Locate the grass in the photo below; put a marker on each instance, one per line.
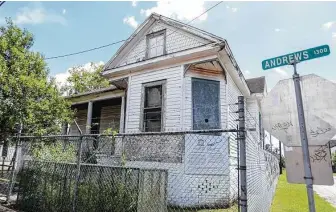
(334, 174)
(293, 198)
(233, 208)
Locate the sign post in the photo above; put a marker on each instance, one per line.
(304, 140)
(293, 59)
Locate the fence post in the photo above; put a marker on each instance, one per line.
(242, 155)
(14, 160)
(79, 158)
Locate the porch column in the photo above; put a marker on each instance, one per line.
(89, 118)
(122, 115)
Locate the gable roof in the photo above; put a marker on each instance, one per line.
(146, 25)
(256, 85)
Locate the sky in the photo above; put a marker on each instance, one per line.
(254, 30)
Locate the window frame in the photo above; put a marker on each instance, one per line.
(163, 103)
(153, 35)
(219, 100)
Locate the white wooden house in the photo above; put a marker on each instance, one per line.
(169, 76)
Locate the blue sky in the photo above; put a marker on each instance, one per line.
(255, 30)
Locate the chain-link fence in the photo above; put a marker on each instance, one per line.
(160, 171)
(262, 167)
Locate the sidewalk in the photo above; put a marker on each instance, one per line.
(327, 192)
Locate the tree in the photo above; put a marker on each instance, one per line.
(333, 158)
(82, 80)
(27, 95)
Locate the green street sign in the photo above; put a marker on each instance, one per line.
(299, 56)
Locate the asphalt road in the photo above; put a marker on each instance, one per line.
(327, 192)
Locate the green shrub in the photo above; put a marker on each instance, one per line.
(55, 152)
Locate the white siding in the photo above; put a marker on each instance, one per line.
(176, 40)
(252, 118)
(188, 116)
(232, 98)
(172, 115)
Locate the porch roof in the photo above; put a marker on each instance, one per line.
(102, 90)
(96, 95)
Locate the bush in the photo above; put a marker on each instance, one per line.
(333, 158)
(55, 152)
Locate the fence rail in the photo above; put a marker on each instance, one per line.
(159, 171)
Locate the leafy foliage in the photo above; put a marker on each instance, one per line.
(48, 186)
(333, 158)
(55, 152)
(27, 95)
(82, 80)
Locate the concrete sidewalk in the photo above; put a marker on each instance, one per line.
(327, 192)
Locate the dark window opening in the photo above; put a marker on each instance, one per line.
(156, 44)
(152, 112)
(205, 102)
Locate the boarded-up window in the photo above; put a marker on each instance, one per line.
(153, 105)
(205, 100)
(156, 44)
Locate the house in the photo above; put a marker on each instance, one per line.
(169, 76)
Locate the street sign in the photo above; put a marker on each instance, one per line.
(320, 161)
(298, 127)
(299, 56)
(279, 111)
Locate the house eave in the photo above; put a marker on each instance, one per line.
(237, 77)
(170, 59)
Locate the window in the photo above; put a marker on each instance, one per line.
(153, 99)
(205, 102)
(156, 44)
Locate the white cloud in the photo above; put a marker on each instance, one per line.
(64, 11)
(61, 78)
(328, 25)
(233, 9)
(130, 20)
(28, 15)
(247, 73)
(182, 10)
(280, 30)
(333, 35)
(134, 3)
(281, 72)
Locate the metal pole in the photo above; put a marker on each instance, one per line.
(14, 159)
(79, 158)
(242, 154)
(304, 140)
(237, 134)
(271, 142)
(280, 161)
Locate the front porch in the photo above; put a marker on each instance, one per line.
(98, 111)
